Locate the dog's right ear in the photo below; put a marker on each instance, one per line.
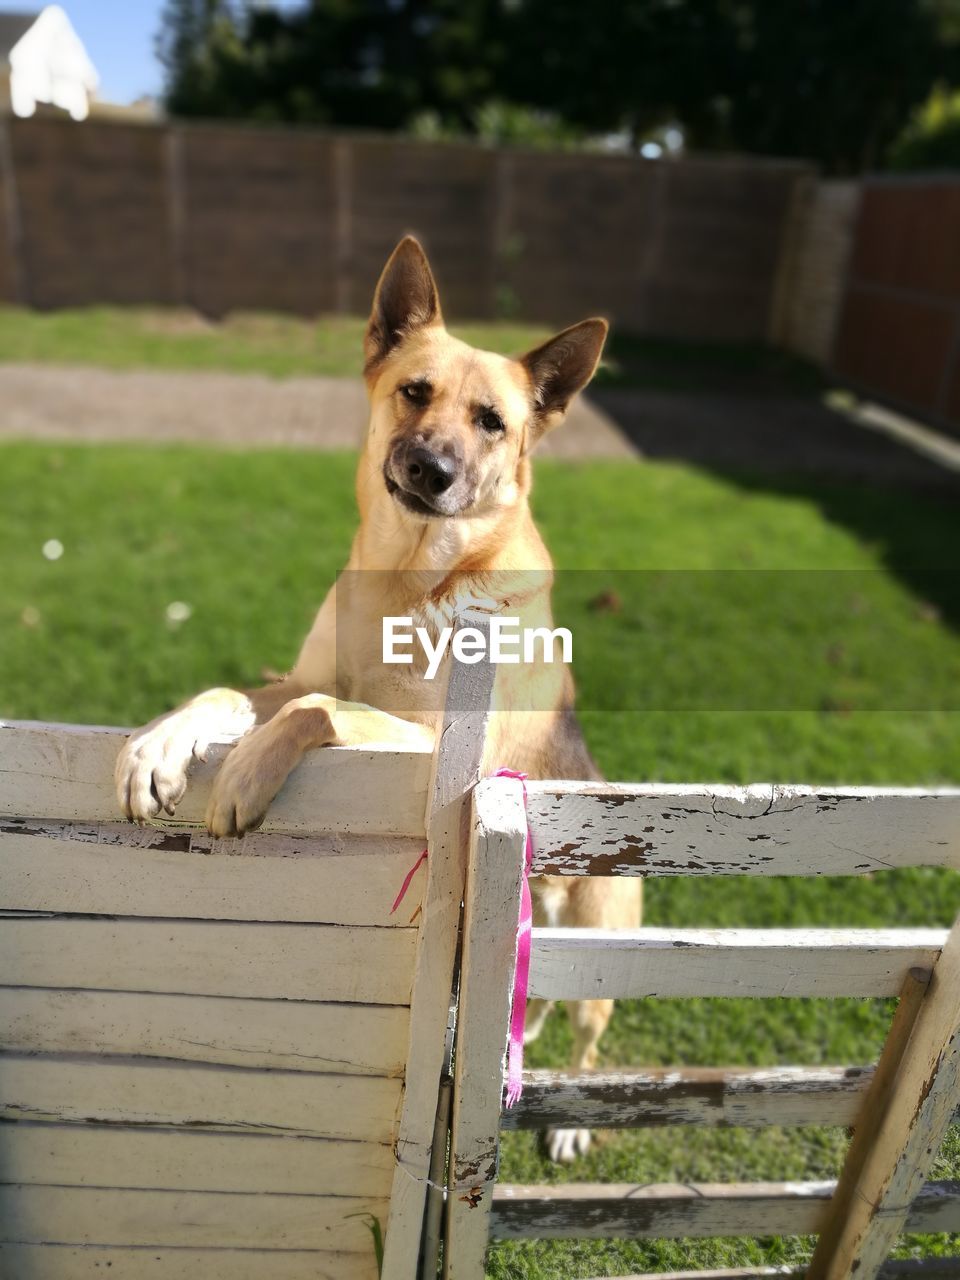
(406, 299)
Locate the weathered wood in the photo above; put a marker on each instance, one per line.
(192, 957)
(120, 869)
(111, 1091)
(576, 964)
(869, 1115)
(902, 1141)
(92, 1262)
(297, 1035)
(456, 769)
(607, 829)
(896, 1269)
(492, 905)
(592, 1210)
(749, 1097)
(104, 1216)
(66, 772)
(164, 1159)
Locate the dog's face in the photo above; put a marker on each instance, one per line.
(451, 426)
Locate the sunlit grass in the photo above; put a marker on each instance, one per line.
(250, 542)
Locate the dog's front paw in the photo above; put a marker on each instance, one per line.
(151, 770)
(244, 788)
(564, 1145)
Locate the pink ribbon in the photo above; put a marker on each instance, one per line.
(406, 881)
(521, 979)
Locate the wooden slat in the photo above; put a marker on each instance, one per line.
(594, 1210)
(88, 1262)
(120, 869)
(77, 1155)
(492, 905)
(872, 1108)
(272, 961)
(89, 1215)
(605, 829)
(750, 1097)
(577, 964)
(66, 771)
(84, 1090)
(457, 767)
(905, 1132)
(297, 1035)
(895, 1269)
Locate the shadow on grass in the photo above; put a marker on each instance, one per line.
(901, 504)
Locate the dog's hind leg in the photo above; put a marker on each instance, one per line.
(599, 904)
(537, 1013)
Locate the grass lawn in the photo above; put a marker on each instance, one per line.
(283, 346)
(726, 628)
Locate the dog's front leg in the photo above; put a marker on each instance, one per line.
(151, 770)
(258, 766)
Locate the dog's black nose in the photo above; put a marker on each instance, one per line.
(429, 474)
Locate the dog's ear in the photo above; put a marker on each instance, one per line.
(561, 368)
(406, 299)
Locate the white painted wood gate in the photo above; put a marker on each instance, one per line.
(900, 1108)
(224, 1059)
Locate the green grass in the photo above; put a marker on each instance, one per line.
(697, 650)
(283, 346)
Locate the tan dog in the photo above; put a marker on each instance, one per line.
(442, 486)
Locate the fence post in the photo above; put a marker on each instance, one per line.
(457, 762)
(177, 214)
(13, 216)
(343, 223)
(491, 908)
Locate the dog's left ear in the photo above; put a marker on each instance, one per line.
(562, 367)
(406, 298)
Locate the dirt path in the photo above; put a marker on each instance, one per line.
(57, 402)
(763, 434)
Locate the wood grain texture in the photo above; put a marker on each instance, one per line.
(111, 1091)
(595, 1210)
(66, 772)
(111, 868)
(574, 964)
(90, 1262)
(489, 940)
(750, 1097)
(167, 1159)
(266, 961)
(457, 764)
(102, 1216)
(903, 1139)
(292, 1034)
(608, 829)
(896, 1269)
(870, 1113)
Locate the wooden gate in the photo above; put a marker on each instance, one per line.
(900, 1108)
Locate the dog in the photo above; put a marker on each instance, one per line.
(442, 487)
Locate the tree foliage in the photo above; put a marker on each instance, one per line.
(833, 82)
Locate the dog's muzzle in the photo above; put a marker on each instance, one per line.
(424, 480)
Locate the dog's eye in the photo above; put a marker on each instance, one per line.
(416, 392)
(491, 421)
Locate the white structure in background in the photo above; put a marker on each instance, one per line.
(42, 60)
